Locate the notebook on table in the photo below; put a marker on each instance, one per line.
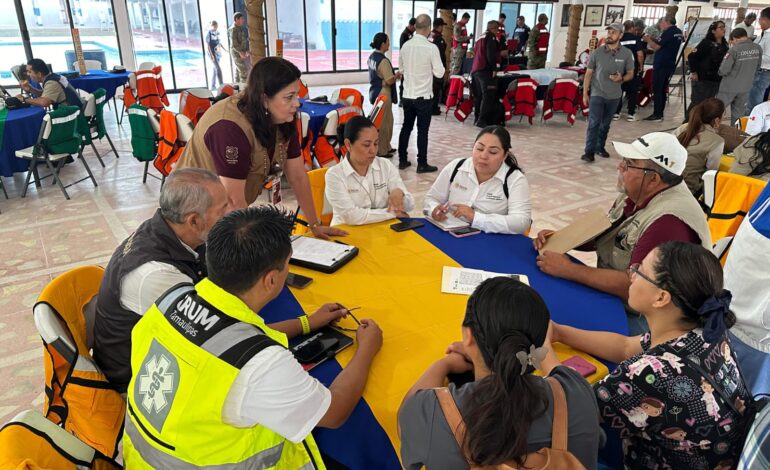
(450, 223)
(326, 256)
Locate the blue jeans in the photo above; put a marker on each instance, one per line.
(419, 110)
(757, 93)
(600, 111)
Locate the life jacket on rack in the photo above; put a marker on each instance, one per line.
(524, 99)
(146, 92)
(542, 40)
(328, 149)
(562, 95)
(194, 102)
(159, 84)
(170, 146)
(456, 98)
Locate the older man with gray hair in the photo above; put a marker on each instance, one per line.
(166, 250)
(747, 24)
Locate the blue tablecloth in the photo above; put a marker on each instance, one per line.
(21, 130)
(96, 79)
(361, 443)
(317, 112)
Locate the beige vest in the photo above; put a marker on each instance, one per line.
(697, 153)
(614, 248)
(197, 155)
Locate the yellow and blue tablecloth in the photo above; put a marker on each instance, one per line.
(396, 280)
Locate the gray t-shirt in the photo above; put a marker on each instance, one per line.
(427, 440)
(604, 62)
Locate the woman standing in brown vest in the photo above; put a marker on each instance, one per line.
(250, 139)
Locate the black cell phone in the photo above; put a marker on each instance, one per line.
(408, 225)
(464, 232)
(315, 350)
(298, 281)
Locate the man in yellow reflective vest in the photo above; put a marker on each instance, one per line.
(213, 385)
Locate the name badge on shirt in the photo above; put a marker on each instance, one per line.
(494, 197)
(273, 186)
(459, 186)
(378, 186)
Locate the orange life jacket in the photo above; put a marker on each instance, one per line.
(147, 93)
(542, 40)
(350, 97)
(159, 84)
(328, 150)
(304, 91)
(169, 146)
(305, 139)
(193, 106)
(378, 111)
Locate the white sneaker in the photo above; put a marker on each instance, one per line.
(616, 117)
(631, 118)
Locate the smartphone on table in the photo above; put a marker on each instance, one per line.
(464, 232)
(584, 368)
(298, 281)
(408, 225)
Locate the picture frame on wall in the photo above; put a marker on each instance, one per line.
(614, 14)
(594, 15)
(565, 15)
(692, 12)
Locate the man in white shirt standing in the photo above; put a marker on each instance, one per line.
(748, 25)
(762, 78)
(419, 61)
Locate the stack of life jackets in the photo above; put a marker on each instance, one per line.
(562, 95)
(521, 99)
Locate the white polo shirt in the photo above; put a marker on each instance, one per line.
(763, 39)
(494, 213)
(419, 61)
(358, 200)
(759, 119)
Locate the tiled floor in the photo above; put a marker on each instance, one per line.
(44, 235)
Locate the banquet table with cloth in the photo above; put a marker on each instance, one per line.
(22, 127)
(96, 79)
(317, 112)
(396, 280)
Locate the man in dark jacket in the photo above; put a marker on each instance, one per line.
(485, 60)
(437, 38)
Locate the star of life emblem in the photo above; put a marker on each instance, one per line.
(156, 384)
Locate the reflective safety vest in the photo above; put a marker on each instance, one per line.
(169, 146)
(542, 40)
(159, 84)
(463, 33)
(186, 353)
(147, 93)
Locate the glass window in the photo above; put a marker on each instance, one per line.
(402, 12)
(371, 24)
(427, 8)
(186, 43)
(11, 49)
(347, 39)
(491, 13)
(96, 26)
(148, 28)
(49, 32)
(215, 11)
(319, 31)
(291, 28)
(511, 10)
(650, 14)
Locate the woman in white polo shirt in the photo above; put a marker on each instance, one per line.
(489, 190)
(364, 188)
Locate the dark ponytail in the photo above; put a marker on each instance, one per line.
(352, 129)
(505, 317)
(378, 40)
(701, 114)
(504, 137)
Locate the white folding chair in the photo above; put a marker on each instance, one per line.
(90, 64)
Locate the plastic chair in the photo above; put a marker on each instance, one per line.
(378, 111)
(328, 149)
(146, 66)
(93, 122)
(90, 65)
(194, 102)
(727, 198)
(317, 179)
(58, 139)
(29, 440)
(348, 96)
(305, 139)
(144, 138)
(78, 395)
(17, 72)
(741, 123)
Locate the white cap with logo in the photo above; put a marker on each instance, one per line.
(662, 148)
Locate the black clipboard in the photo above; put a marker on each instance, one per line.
(350, 253)
(323, 334)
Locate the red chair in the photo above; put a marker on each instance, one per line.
(349, 97)
(378, 111)
(562, 95)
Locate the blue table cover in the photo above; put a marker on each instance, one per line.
(361, 443)
(21, 130)
(100, 79)
(317, 112)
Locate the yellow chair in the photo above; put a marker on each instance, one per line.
(726, 162)
(740, 123)
(728, 197)
(317, 179)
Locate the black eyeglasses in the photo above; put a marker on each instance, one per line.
(350, 314)
(625, 166)
(634, 270)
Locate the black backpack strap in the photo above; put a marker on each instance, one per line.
(457, 168)
(511, 169)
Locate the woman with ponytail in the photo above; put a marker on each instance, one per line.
(678, 397)
(507, 410)
(382, 81)
(752, 157)
(488, 190)
(704, 145)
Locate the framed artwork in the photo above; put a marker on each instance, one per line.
(692, 12)
(565, 15)
(614, 14)
(594, 15)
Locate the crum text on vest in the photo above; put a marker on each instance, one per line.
(196, 313)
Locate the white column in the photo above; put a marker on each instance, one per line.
(271, 13)
(123, 28)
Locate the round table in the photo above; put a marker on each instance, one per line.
(96, 79)
(22, 127)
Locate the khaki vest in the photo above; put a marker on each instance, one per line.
(197, 155)
(614, 248)
(697, 153)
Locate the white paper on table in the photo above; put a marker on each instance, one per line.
(451, 223)
(322, 252)
(464, 280)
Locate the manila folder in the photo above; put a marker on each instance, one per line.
(582, 230)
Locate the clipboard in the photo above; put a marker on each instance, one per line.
(584, 229)
(323, 334)
(321, 255)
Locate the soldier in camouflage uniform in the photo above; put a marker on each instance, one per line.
(460, 39)
(239, 48)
